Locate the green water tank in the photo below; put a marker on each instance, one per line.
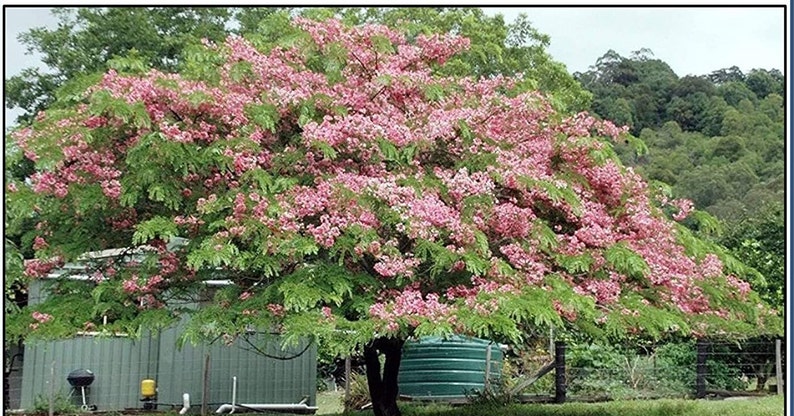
(447, 368)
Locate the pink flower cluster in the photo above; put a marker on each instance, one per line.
(388, 266)
(41, 317)
(276, 310)
(604, 291)
(685, 207)
(461, 184)
(40, 268)
(410, 306)
(512, 221)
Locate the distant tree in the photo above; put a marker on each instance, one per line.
(689, 85)
(763, 82)
(726, 75)
(644, 82)
(87, 38)
(734, 92)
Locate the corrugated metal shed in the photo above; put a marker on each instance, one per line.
(260, 379)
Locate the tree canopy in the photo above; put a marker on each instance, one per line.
(87, 40)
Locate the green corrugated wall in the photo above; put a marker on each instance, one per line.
(119, 364)
(259, 379)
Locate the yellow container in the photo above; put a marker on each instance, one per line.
(148, 388)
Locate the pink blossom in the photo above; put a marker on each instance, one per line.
(131, 285)
(685, 207)
(40, 268)
(277, 310)
(39, 243)
(393, 266)
(41, 317)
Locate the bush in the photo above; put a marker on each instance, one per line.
(60, 404)
(677, 367)
(359, 392)
(594, 369)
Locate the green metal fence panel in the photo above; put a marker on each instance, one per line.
(260, 379)
(118, 365)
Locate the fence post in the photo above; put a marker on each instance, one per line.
(700, 379)
(559, 375)
(779, 367)
(205, 388)
(348, 366)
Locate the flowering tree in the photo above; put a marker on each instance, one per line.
(353, 195)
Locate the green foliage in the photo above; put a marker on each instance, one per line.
(667, 370)
(263, 115)
(102, 38)
(676, 366)
(157, 227)
(760, 242)
(314, 285)
(626, 261)
(102, 103)
(61, 404)
(14, 280)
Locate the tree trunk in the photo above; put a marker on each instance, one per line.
(383, 385)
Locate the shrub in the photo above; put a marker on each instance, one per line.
(359, 393)
(61, 404)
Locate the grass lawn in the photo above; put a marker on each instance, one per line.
(330, 402)
(765, 406)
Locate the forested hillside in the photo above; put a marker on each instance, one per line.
(717, 139)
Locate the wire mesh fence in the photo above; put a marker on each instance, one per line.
(685, 369)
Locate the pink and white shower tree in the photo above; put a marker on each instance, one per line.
(353, 196)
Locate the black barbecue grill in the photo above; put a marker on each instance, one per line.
(82, 378)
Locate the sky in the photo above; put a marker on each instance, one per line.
(692, 40)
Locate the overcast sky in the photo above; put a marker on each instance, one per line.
(692, 40)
